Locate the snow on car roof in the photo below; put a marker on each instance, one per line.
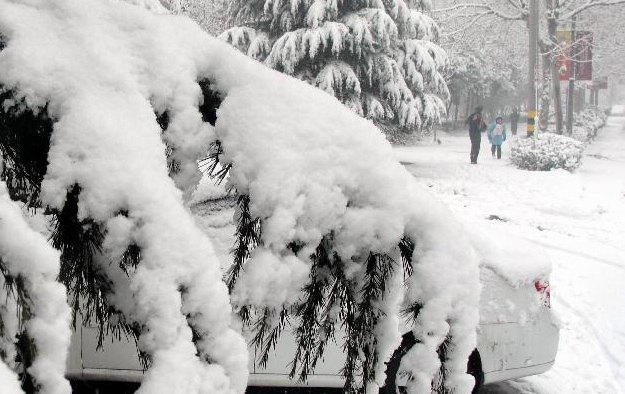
(517, 260)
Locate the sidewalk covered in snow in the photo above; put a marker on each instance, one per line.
(578, 218)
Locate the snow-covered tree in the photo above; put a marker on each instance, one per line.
(332, 231)
(554, 14)
(378, 57)
(209, 14)
(488, 57)
(489, 67)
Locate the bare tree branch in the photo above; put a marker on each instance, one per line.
(589, 4)
(480, 8)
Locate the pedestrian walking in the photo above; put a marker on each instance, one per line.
(514, 120)
(476, 127)
(497, 135)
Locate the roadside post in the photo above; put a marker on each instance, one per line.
(533, 54)
(571, 88)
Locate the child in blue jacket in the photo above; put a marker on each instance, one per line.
(497, 135)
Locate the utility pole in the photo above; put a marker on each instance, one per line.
(572, 76)
(533, 54)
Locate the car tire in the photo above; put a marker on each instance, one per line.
(474, 367)
(392, 366)
(102, 387)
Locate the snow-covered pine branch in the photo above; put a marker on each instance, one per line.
(331, 218)
(338, 79)
(29, 262)
(328, 222)
(106, 177)
(369, 37)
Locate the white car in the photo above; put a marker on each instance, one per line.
(618, 110)
(517, 335)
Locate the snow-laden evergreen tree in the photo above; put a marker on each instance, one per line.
(378, 57)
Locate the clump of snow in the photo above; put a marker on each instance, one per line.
(285, 276)
(9, 325)
(9, 382)
(9, 328)
(546, 151)
(49, 326)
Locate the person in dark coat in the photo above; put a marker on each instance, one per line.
(476, 126)
(514, 120)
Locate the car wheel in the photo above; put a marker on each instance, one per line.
(102, 387)
(396, 383)
(474, 368)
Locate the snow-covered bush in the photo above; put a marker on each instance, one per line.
(379, 58)
(105, 110)
(587, 123)
(547, 151)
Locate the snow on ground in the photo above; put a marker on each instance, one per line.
(618, 110)
(579, 220)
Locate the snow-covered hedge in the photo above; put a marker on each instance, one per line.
(547, 151)
(587, 123)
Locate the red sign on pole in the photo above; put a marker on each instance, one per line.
(575, 55)
(563, 63)
(582, 55)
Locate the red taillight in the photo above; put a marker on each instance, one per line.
(542, 287)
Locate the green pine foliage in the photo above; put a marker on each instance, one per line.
(328, 302)
(15, 289)
(24, 145)
(378, 57)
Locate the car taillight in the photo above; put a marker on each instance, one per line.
(542, 287)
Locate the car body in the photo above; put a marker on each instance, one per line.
(618, 110)
(516, 337)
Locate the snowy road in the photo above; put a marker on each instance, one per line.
(578, 218)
